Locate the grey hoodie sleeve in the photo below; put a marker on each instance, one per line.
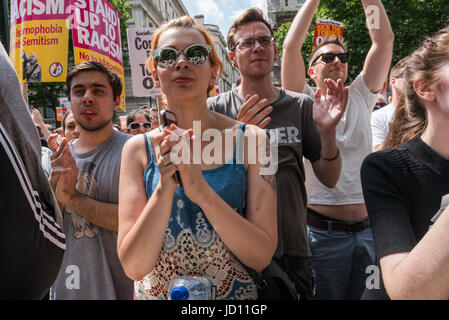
(33, 242)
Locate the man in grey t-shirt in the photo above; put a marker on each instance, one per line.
(87, 186)
(299, 129)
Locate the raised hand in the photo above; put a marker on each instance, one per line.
(162, 149)
(249, 112)
(64, 173)
(37, 117)
(328, 109)
(182, 156)
(52, 142)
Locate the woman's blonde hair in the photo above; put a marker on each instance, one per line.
(425, 63)
(188, 23)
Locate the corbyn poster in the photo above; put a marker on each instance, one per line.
(96, 36)
(39, 39)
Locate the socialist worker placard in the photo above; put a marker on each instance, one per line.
(325, 28)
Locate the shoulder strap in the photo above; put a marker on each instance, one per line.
(149, 148)
(239, 145)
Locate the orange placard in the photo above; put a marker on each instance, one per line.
(325, 28)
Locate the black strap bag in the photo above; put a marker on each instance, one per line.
(274, 283)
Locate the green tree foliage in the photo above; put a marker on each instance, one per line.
(122, 8)
(411, 21)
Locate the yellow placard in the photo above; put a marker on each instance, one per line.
(39, 50)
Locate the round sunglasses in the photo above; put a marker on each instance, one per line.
(166, 57)
(137, 125)
(328, 57)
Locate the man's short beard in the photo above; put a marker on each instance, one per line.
(258, 75)
(97, 127)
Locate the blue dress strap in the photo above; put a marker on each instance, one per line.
(239, 145)
(149, 148)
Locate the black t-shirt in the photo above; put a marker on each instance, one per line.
(403, 190)
(296, 136)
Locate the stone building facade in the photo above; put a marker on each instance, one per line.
(230, 75)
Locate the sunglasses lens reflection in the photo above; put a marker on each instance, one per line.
(134, 126)
(329, 57)
(168, 56)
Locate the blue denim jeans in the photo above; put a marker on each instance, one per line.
(339, 262)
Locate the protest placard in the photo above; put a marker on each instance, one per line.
(139, 48)
(96, 36)
(62, 109)
(325, 28)
(39, 40)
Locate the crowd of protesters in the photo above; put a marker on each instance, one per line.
(115, 215)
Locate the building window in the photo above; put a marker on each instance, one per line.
(286, 3)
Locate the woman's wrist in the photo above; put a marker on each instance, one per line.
(166, 187)
(204, 196)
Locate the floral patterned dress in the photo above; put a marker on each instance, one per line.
(191, 246)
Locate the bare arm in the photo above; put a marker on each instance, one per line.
(102, 214)
(328, 171)
(422, 273)
(378, 59)
(293, 70)
(142, 222)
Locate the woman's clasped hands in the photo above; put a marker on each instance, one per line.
(174, 151)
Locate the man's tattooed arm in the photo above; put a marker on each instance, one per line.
(264, 154)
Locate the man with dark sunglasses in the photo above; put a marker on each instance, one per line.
(292, 124)
(329, 57)
(339, 235)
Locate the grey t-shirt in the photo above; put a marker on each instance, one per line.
(292, 124)
(91, 268)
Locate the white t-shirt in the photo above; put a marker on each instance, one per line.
(354, 142)
(380, 123)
